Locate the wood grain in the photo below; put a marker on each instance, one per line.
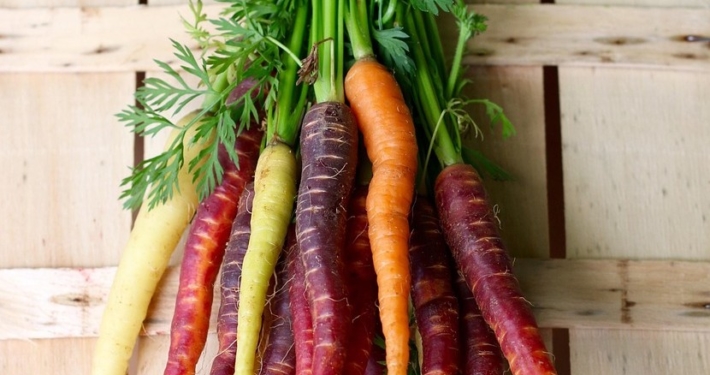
(609, 294)
(99, 39)
(635, 180)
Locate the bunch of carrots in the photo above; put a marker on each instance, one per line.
(325, 190)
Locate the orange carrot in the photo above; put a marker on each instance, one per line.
(388, 133)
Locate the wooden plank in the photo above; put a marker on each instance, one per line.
(63, 127)
(86, 39)
(639, 352)
(635, 177)
(608, 36)
(635, 295)
(90, 38)
(635, 163)
(64, 156)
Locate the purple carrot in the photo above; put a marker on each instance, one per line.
(328, 146)
(362, 285)
(432, 292)
(480, 352)
(471, 231)
(223, 363)
(301, 320)
(203, 254)
(279, 356)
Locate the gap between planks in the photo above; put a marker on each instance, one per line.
(565, 293)
(107, 39)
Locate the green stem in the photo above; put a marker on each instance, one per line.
(358, 29)
(290, 100)
(454, 76)
(430, 103)
(328, 34)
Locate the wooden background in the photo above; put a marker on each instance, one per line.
(608, 218)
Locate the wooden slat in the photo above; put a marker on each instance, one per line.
(637, 295)
(579, 35)
(99, 39)
(636, 177)
(64, 156)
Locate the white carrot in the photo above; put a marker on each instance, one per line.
(155, 235)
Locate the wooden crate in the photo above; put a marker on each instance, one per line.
(608, 218)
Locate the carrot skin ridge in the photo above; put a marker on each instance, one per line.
(389, 136)
(328, 146)
(435, 303)
(230, 280)
(274, 194)
(480, 352)
(471, 231)
(301, 319)
(362, 285)
(204, 250)
(279, 357)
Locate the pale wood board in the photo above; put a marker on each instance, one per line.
(99, 39)
(623, 352)
(565, 293)
(58, 135)
(636, 177)
(635, 145)
(582, 35)
(64, 159)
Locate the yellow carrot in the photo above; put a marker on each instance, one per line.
(152, 241)
(274, 195)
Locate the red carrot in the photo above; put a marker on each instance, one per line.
(362, 285)
(279, 356)
(471, 230)
(223, 363)
(301, 320)
(433, 298)
(329, 158)
(467, 220)
(480, 352)
(203, 254)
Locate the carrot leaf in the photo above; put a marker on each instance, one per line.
(246, 45)
(432, 6)
(394, 50)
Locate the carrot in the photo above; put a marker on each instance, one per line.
(328, 146)
(274, 197)
(274, 193)
(433, 298)
(388, 134)
(223, 363)
(362, 285)
(479, 348)
(302, 321)
(204, 249)
(329, 157)
(279, 357)
(472, 234)
(153, 239)
(467, 220)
